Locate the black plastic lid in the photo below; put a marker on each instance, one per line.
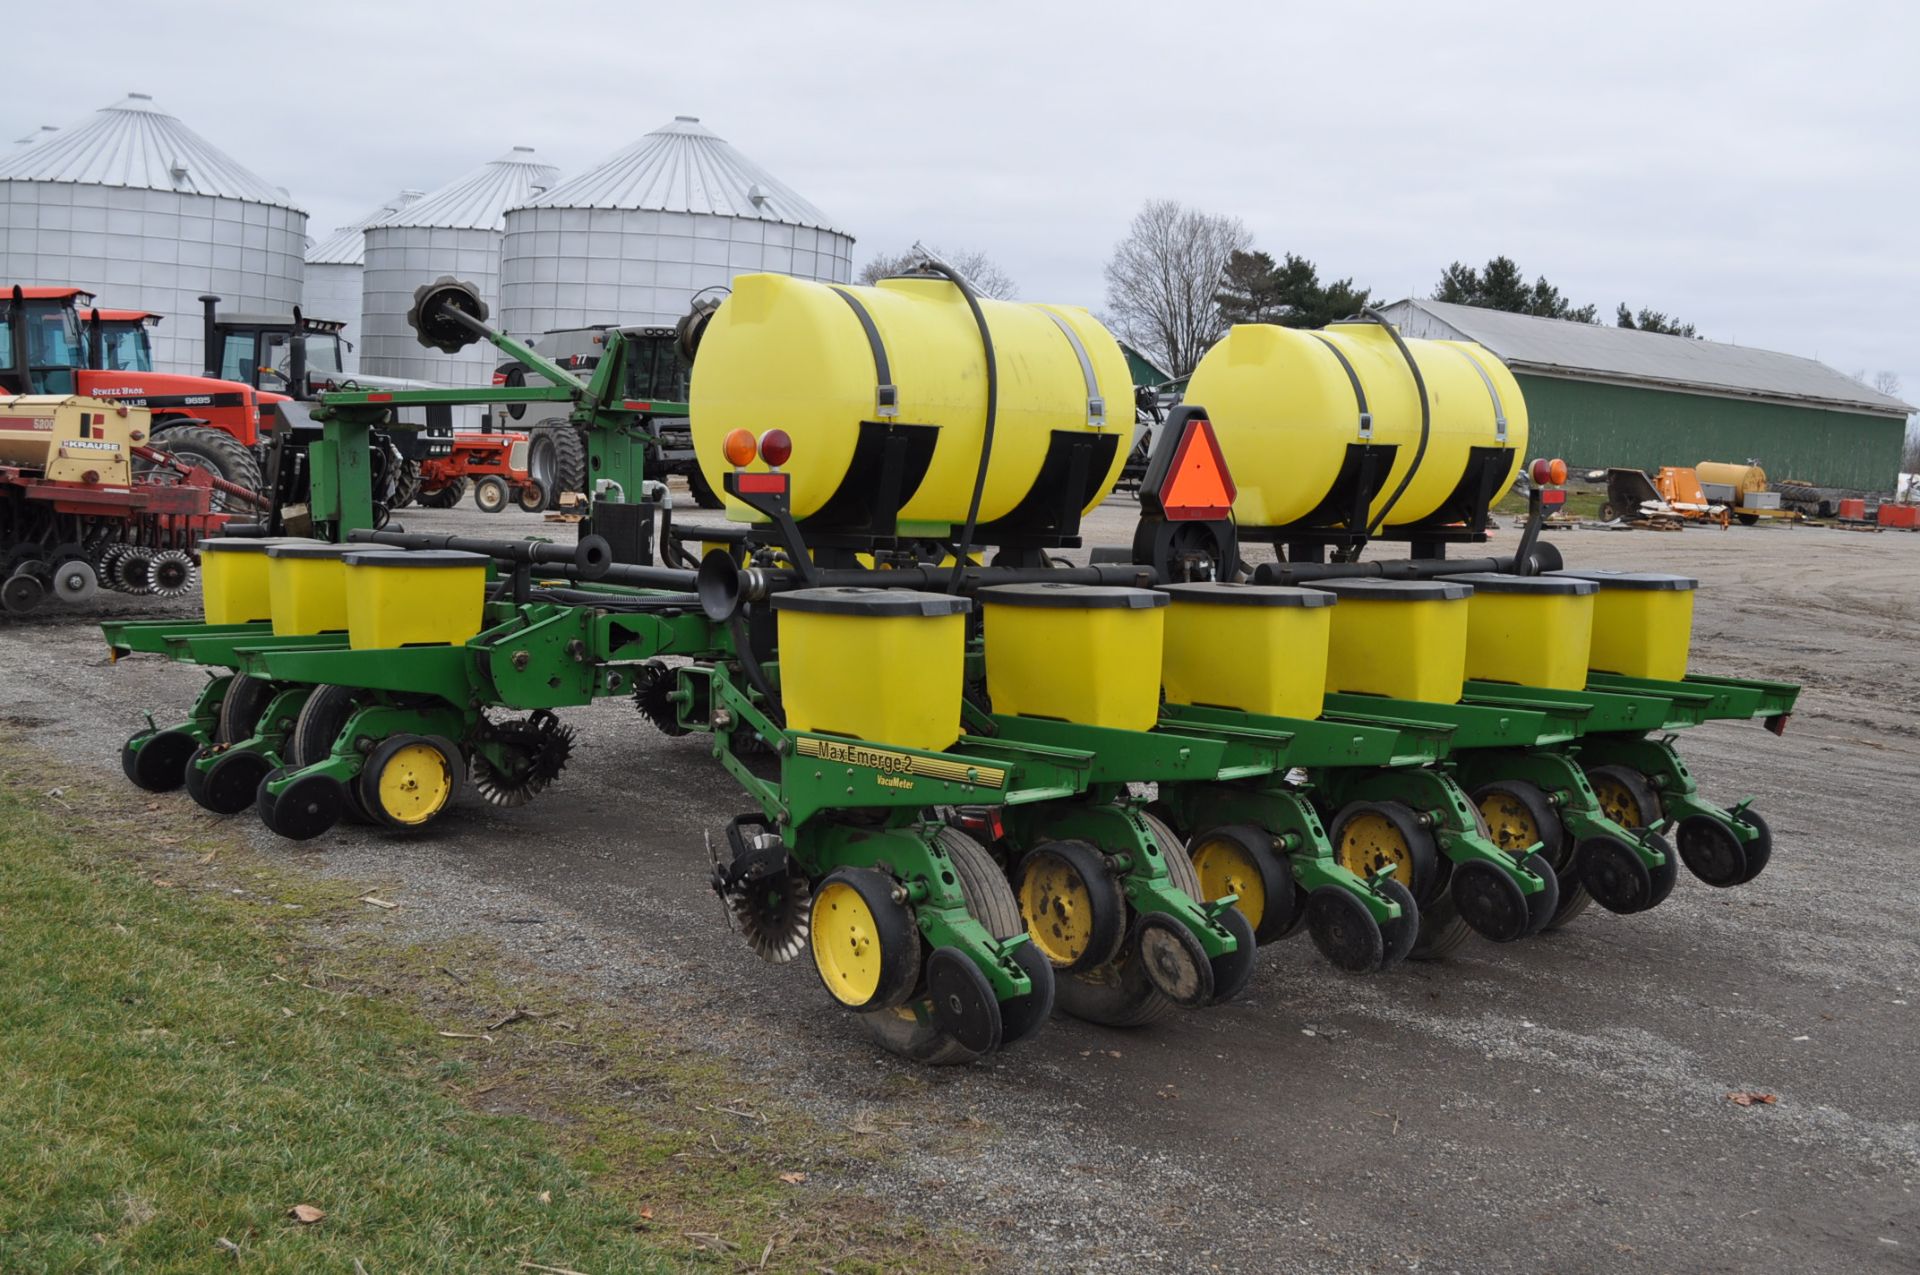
(1647, 581)
(415, 558)
(1501, 582)
(251, 544)
(855, 600)
(299, 550)
(1370, 590)
(1222, 593)
(1077, 596)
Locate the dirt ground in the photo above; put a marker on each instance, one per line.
(1558, 1104)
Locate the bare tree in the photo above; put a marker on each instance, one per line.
(1887, 383)
(981, 272)
(1163, 278)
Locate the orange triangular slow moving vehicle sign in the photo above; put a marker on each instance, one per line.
(1198, 484)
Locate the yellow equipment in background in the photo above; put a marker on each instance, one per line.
(1286, 405)
(70, 439)
(832, 364)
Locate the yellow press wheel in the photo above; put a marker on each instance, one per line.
(1239, 859)
(1074, 909)
(409, 780)
(1370, 835)
(866, 946)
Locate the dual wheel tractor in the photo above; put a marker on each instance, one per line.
(984, 778)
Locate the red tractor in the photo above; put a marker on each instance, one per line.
(205, 423)
(493, 466)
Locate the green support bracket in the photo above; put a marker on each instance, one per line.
(1661, 763)
(443, 671)
(1379, 742)
(150, 637)
(371, 724)
(910, 852)
(1604, 710)
(1440, 803)
(1474, 725)
(1560, 777)
(229, 649)
(1121, 756)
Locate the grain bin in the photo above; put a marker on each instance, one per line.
(633, 238)
(137, 208)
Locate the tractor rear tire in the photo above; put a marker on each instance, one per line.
(557, 460)
(444, 497)
(212, 449)
(406, 484)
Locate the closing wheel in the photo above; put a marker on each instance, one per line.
(1073, 906)
(307, 808)
(1625, 796)
(1370, 835)
(1666, 875)
(318, 726)
(1119, 993)
(1232, 971)
(158, 762)
(491, 495)
(1760, 849)
(231, 783)
(1489, 900)
(963, 1002)
(1711, 851)
(1399, 934)
(1613, 874)
(1344, 931)
(409, 780)
(1239, 859)
(193, 778)
(866, 947)
(1173, 960)
(1541, 904)
(1022, 1016)
(912, 1030)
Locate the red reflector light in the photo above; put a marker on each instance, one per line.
(499, 378)
(634, 405)
(1547, 473)
(776, 447)
(740, 449)
(760, 484)
(379, 398)
(1198, 484)
(1553, 496)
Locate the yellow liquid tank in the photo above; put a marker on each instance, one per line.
(1285, 410)
(796, 355)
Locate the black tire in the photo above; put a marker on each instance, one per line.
(406, 484)
(446, 497)
(366, 785)
(160, 762)
(557, 460)
(531, 497)
(232, 783)
(241, 708)
(910, 1030)
(1759, 850)
(702, 491)
(212, 449)
(319, 724)
(1711, 851)
(491, 494)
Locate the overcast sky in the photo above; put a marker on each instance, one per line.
(1748, 167)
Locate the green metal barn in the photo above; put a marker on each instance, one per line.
(1601, 396)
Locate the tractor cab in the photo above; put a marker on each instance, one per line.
(124, 343)
(41, 347)
(258, 349)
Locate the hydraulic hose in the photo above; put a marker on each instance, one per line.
(1426, 419)
(1390, 569)
(587, 561)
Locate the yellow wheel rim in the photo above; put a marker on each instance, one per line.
(1370, 842)
(1509, 822)
(1057, 906)
(1617, 802)
(415, 784)
(1224, 868)
(846, 944)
